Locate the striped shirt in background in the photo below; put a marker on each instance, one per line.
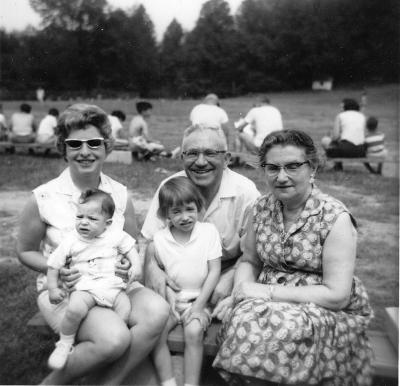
(375, 144)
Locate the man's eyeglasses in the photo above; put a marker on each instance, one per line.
(193, 154)
(76, 144)
(290, 169)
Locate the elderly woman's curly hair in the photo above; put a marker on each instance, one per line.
(78, 117)
(296, 138)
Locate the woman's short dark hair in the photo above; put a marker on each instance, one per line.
(119, 114)
(54, 112)
(143, 106)
(176, 192)
(290, 137)
(78, 117)
(25, 108)
(105, 199)
(350, 104)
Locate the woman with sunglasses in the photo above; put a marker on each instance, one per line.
(297, 314)
(84, 139)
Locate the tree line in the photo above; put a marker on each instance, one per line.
(85, 46)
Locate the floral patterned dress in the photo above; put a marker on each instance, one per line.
(296, 343)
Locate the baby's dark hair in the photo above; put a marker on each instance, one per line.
(107, 203)
(175, 192)
(372, 123)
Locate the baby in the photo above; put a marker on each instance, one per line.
(93, 249)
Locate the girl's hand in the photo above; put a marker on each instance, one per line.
(201, 315)
(222, 308)
(56, 295)
(122, 267)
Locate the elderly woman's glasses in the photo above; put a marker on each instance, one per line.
(290, 169)
(193, 154)
(76, 144)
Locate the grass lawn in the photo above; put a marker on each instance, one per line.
(372, 200)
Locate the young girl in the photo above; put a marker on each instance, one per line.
(190, 253)
(93, 249)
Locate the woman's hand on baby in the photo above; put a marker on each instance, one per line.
(69, 277)
(56, 295)
(122, 267)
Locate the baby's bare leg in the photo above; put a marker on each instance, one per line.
(122, 306)
(80, 302)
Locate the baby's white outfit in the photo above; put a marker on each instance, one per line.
(187, 264)
(95, 259)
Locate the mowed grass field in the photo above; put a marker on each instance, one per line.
(373, 200)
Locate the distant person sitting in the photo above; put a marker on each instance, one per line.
(120, 135)
(347, 137)
(3, 125)
(374, 144)
(22, 125)
(46, 132)
(140, 143)
(209, 113)
(257, 124)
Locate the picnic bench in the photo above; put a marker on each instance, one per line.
(30, 147)
(379, 161)
(384, 343)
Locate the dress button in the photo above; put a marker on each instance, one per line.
(281, 280)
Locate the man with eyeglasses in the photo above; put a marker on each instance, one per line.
(228, 198)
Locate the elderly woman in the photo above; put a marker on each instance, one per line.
(84, 139)
(299, 315)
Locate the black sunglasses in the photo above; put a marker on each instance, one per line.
(76, 144)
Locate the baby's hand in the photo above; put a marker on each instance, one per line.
(56, 295)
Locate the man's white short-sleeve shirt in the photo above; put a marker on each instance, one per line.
(228, 211)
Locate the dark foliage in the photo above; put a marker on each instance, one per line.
(87, 48)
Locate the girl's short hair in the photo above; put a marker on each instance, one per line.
(177, 191)
(105, 199)
(78, 117)
(296, 138)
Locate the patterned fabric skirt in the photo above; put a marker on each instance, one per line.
(294, 344)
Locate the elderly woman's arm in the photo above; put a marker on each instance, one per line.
(338, 259)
